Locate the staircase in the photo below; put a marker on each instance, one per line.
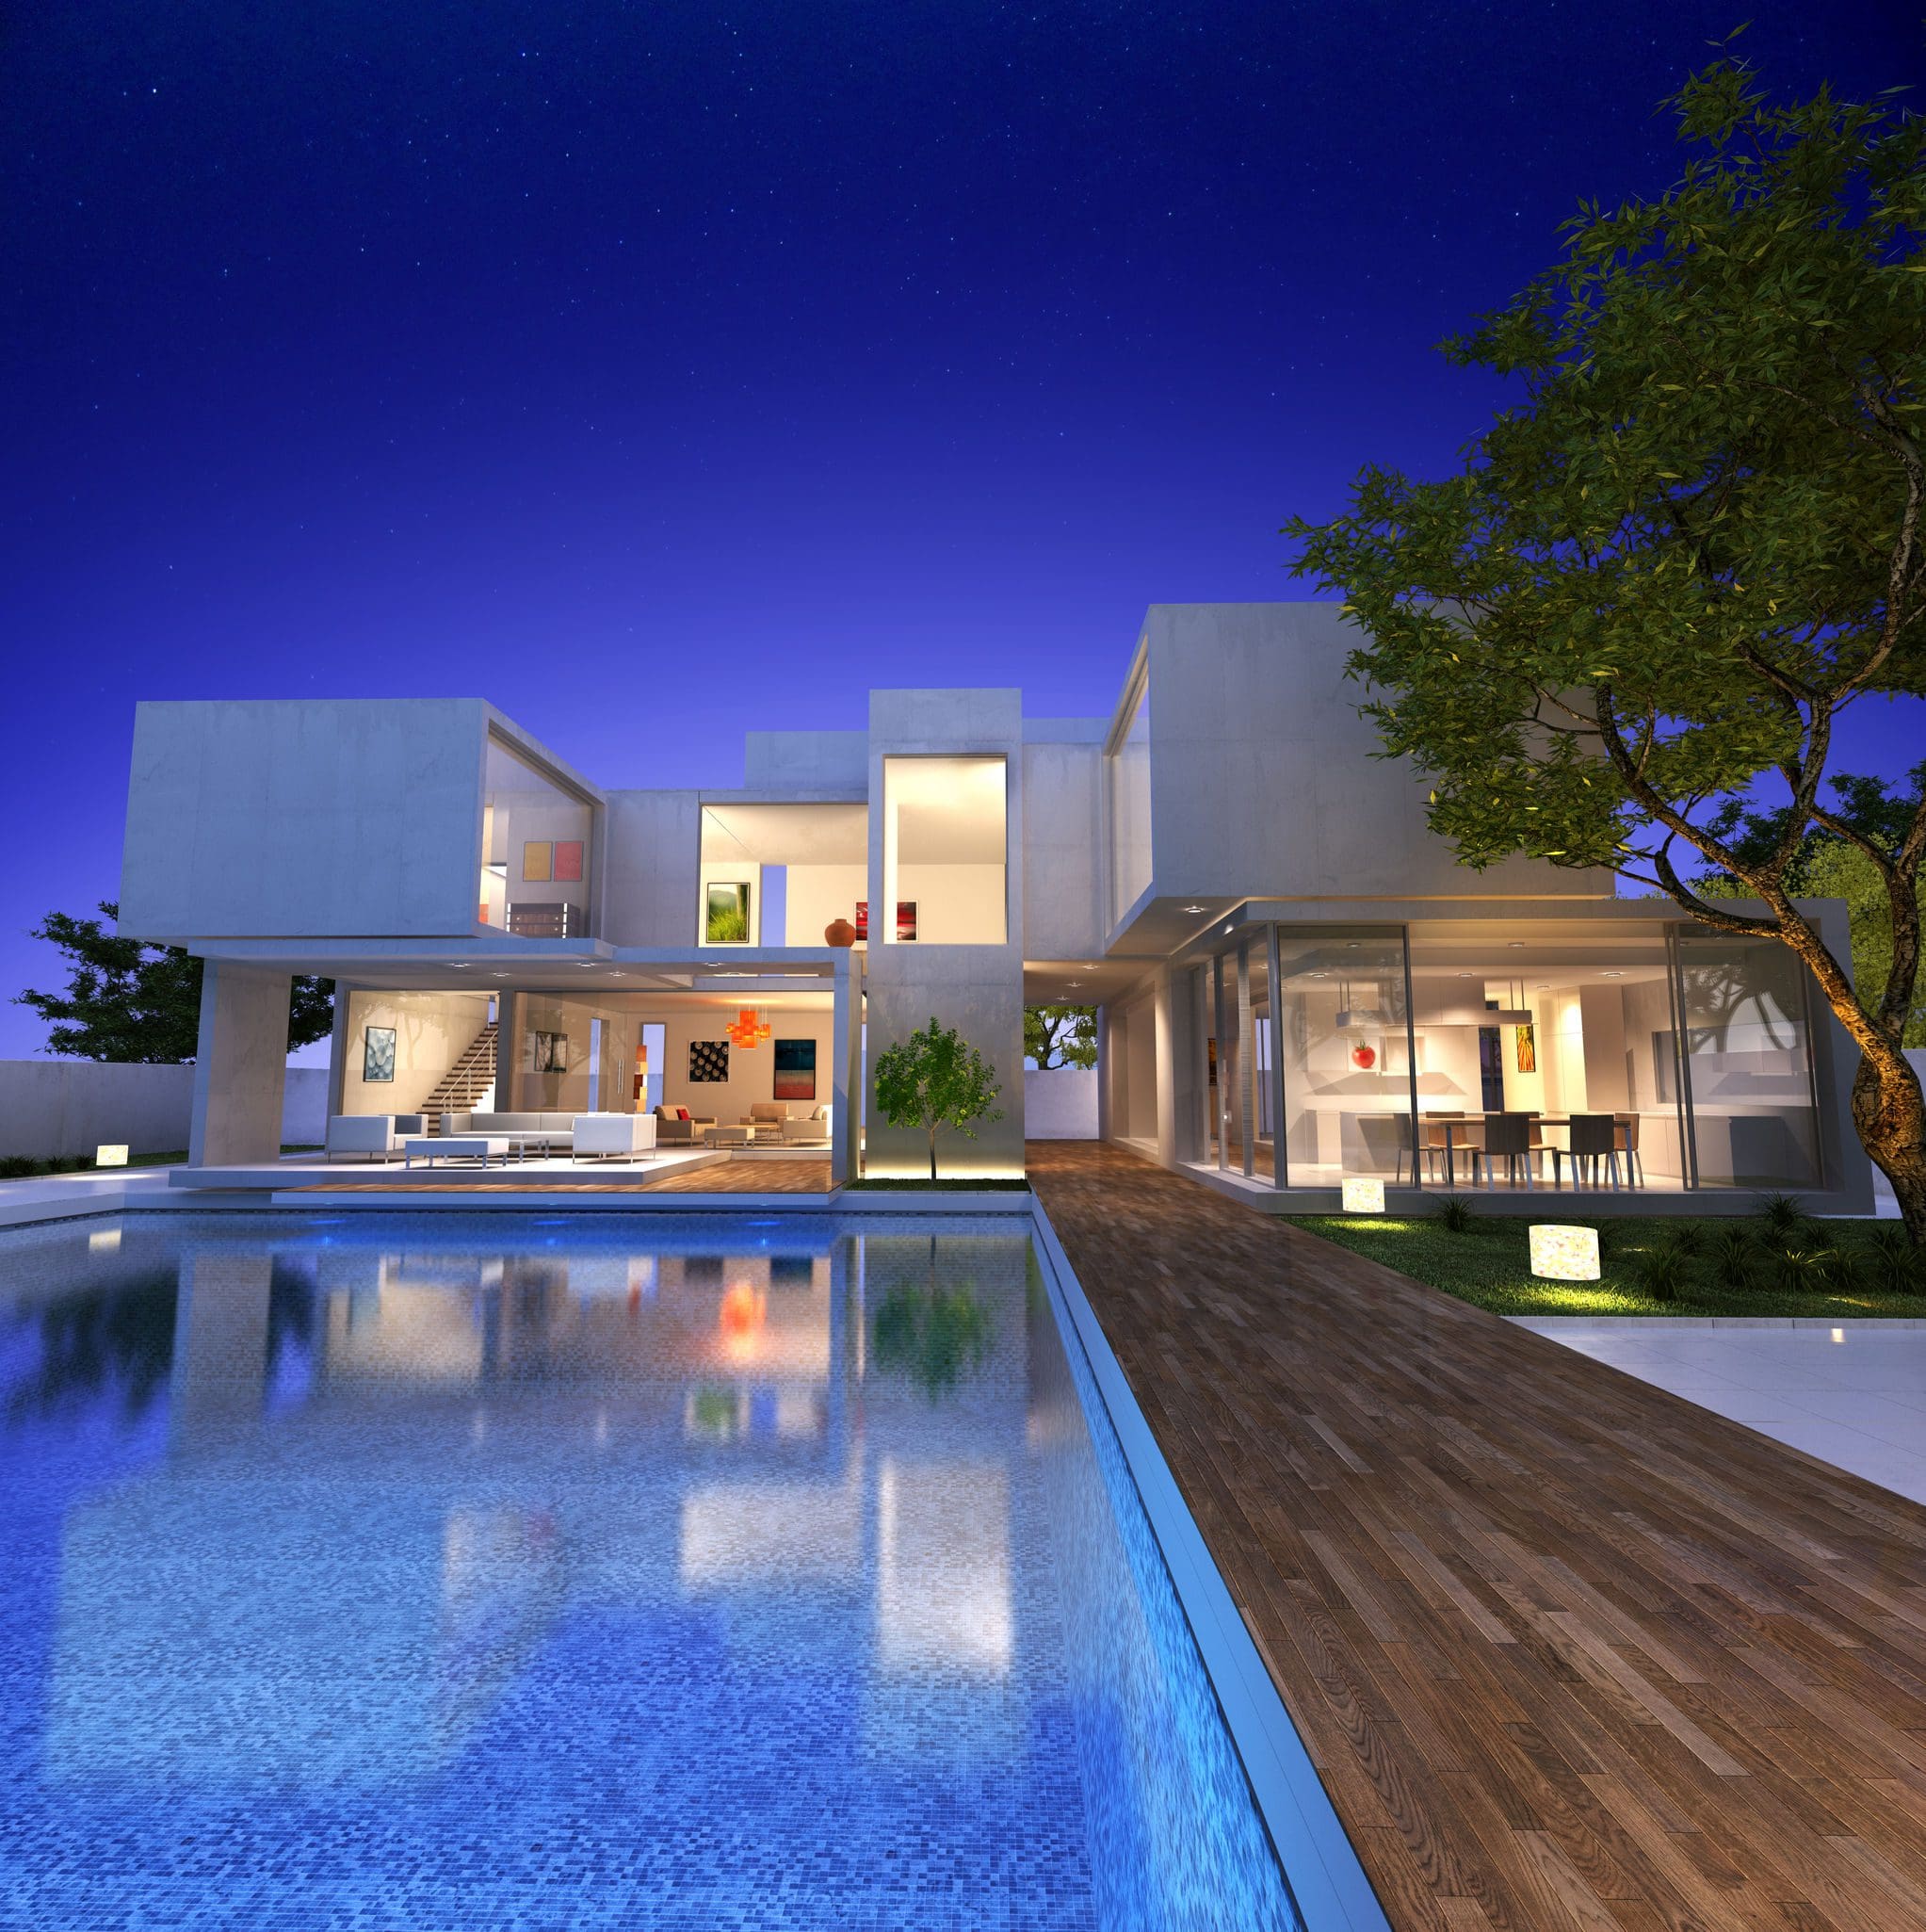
(465, 1082)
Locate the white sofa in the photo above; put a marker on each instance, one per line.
(807, 1128)
(558, 1128)
(613, 1133)
(373, 1136)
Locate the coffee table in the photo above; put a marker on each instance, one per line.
(730, 1137)
(455, 1147)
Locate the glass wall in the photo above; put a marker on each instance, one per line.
(944, 853)
(536, 855)
(1346, 1054)
(1393, 1046)
(1748, 1061)
(1126, 784)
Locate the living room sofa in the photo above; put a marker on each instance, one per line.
(614, 1133)
(677, 1127)
(373, 1136)
(558, 1128)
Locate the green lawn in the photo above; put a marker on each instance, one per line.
(1820, 1269)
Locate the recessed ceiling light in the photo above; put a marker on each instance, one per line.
(498, 976)
(1193, 908)
(1464, 976)
(1320, 976)
(1228, 926)
(586, 964)
(1544, 985)
(1351, 945)
(1612, 976)
(1518, 945)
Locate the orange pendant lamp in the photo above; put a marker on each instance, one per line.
(748, 1029)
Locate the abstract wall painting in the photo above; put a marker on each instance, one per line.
(551, 1052)
(537, 859)
(708, 1062)
(795, 1071)
(727, 919)
(568, 858)
(377, 1053)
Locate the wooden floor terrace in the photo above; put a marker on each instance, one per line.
(1566, 1650)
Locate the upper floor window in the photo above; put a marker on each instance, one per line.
(945, 852)
(535, 851)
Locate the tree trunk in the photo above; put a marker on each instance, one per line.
(932, 1153)
(1889, 1111)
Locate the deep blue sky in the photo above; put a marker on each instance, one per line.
(660, 372)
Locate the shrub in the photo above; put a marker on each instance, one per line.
(1733, 1252)
(1454, 1211)
(1892, 1260)
(1783, 1214)
(1663, 1270)
(17, 1166)
(1689, 1237)
(1806, 1267)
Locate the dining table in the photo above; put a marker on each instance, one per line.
(1464, 1122)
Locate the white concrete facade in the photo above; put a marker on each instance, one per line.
(1228, 806)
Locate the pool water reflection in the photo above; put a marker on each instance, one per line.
(460, 1573)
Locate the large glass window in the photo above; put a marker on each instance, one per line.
(944, 853)
(535, 851)
(1347, 1056)
(781, 875)
(1127, 782)
(1553, 1019)
(1748, 1061)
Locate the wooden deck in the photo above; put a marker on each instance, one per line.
(750, 1177)
(1566, 1650)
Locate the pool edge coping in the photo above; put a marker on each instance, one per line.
(1322, 1871)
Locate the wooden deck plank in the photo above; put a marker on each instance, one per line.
(1566, 1650)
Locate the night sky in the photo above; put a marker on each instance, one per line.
(663, 372)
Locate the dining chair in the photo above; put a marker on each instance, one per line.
(1426, 1149)
(1629, 1146)
(1594, 1137)
(1507, 1137)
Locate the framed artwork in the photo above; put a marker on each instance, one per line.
(1528, 1048)
(568, 858)
(377, 1053)
(537, 859)
(708, 1062)
(795, 1070)
(551, 1052)
(727, 919)
(905, 918)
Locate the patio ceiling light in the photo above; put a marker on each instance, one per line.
(1196, 908)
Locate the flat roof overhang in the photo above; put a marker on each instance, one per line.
(497, 963)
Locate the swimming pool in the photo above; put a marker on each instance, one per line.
(762, 1571)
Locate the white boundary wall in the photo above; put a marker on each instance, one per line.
(56, 1108)
(1059, 1103)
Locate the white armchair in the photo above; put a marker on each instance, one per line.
(373, 1136)
(614, 1133)
(807, 1128)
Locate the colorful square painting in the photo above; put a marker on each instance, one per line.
(795, 1070)
(551, 1052)
(906, 918)
(537, 859)
(727, 923)
(862, 918)
(568, 858)
(377, 1053)
(708, 1062)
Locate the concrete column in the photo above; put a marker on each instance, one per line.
(1166, 1070)
(846, 1070)
(1106, 1073)
(507, 1052)
(337, 1048)
(240, 1066)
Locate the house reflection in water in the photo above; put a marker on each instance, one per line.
(372, 1524)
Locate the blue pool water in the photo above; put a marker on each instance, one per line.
(491, 1572)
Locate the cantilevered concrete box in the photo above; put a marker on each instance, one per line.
(320, 817)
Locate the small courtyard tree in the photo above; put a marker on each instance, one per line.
(1060, 1035)
(1696, 541)
(935, 1079)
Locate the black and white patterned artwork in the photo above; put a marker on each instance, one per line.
(708, 1062)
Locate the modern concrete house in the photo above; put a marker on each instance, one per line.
(1296, 982)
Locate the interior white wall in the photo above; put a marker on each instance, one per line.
(751, 1070)
(956, 905)
(818, 896)
(431, 1031)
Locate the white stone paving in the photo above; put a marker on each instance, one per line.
(1854, 1395)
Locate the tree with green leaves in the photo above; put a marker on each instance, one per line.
(934, 1079)
(1693, 544)
(1060, 1035)
(127, 1000)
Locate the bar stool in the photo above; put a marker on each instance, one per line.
(1594, 1138)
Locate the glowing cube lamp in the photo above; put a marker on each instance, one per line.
(109, 1156)
(1564, 1253)
(1363, 1196)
